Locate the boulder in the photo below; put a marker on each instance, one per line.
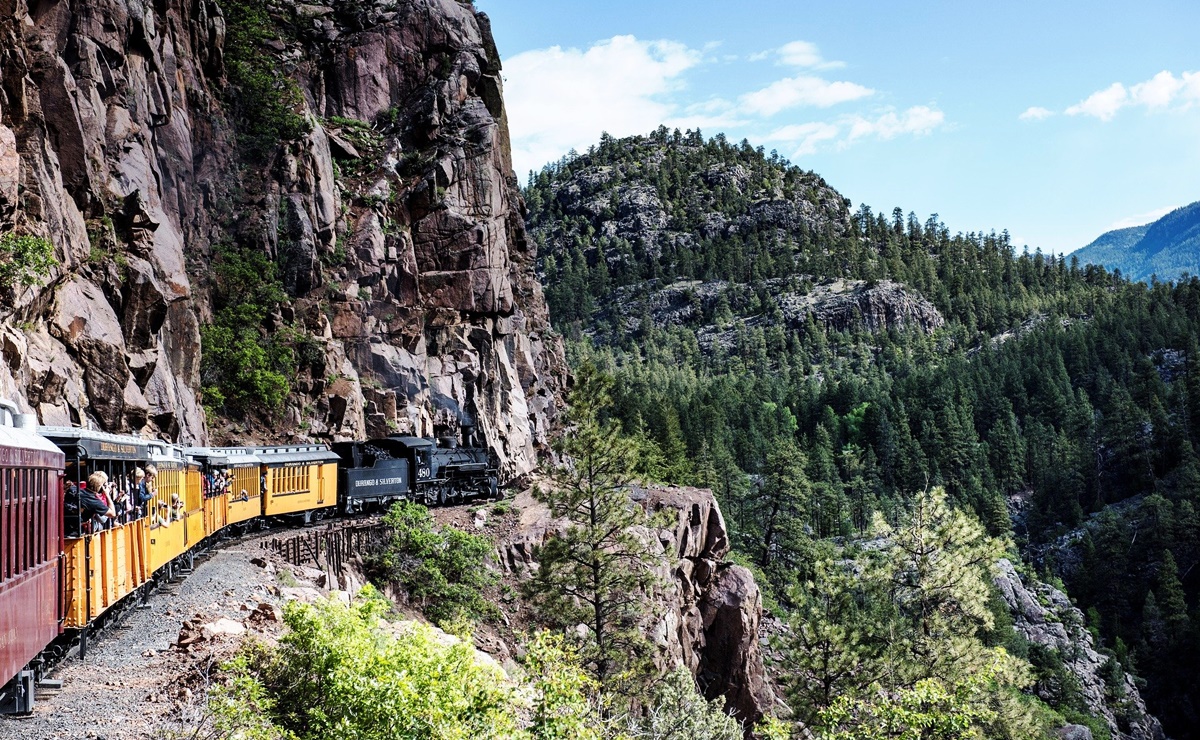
(223, 627)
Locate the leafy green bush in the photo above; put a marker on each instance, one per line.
(440, 568)
(262, 98)
(343, 672)
(24, 260)
(243, 367)
(678, 712)
(340, 672)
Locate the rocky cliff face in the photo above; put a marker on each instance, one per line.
(707, 612)
(1045, 616)
(395, 220)
(833, 305)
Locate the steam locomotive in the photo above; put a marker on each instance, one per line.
(375, 473)
(60, 573)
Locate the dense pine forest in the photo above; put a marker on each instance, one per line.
(817, 366)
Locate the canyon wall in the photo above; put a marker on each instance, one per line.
(394, 220)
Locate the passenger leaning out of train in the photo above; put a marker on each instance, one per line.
(97, 483)
(151, 480)
(80, 507)
(102, 517)
(168, 513)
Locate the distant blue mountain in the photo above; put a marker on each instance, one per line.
(1167, 248)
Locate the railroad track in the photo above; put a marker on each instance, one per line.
(319, 544)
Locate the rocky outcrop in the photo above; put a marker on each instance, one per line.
(1044, 615)
(396, 221)
(706, 613)
(853, 304)
(834, 305)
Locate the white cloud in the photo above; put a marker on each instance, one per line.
(804, 54)
(804, 90)
(1141, 218)
(1162, 91)
(917, 121)
(1036, 113)
(559, 99)
(1158, 91)
(808, 136)
(1102, 104)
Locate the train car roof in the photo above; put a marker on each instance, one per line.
(283, 455)
(103, 445)
(226, 457)
(17, 438)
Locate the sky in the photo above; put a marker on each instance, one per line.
(1055, 120)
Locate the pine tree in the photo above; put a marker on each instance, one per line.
(598, 571)
(940, 562)
(1171, 600)
(783, 500)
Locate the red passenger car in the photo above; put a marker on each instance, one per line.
(31, 543)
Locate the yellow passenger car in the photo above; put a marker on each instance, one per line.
(232, 481)
(104, 558)
(298, 479)
(176, 521)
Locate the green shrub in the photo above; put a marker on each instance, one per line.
(24, 260)
(440, 568)
(263, 100)
(340, 672)
(244, 368)
(343, 672)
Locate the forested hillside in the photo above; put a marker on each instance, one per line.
(816, 365)
(1167, 248)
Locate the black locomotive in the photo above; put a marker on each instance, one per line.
(375, 473)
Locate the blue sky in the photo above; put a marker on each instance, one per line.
(1055, 120)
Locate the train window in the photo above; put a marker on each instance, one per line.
(26, 520)
(5, 535)
(39, 516)
(21, 523)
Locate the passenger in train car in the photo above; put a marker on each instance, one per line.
(139, 493)
(80, 508)
(161, 517)
(94, 504)
(177, 512)
(121, 503)
(151, 480)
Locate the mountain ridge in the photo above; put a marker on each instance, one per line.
(1166, 248)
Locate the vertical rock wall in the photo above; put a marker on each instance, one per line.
(396, 222)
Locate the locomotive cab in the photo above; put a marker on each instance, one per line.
(373, 474)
